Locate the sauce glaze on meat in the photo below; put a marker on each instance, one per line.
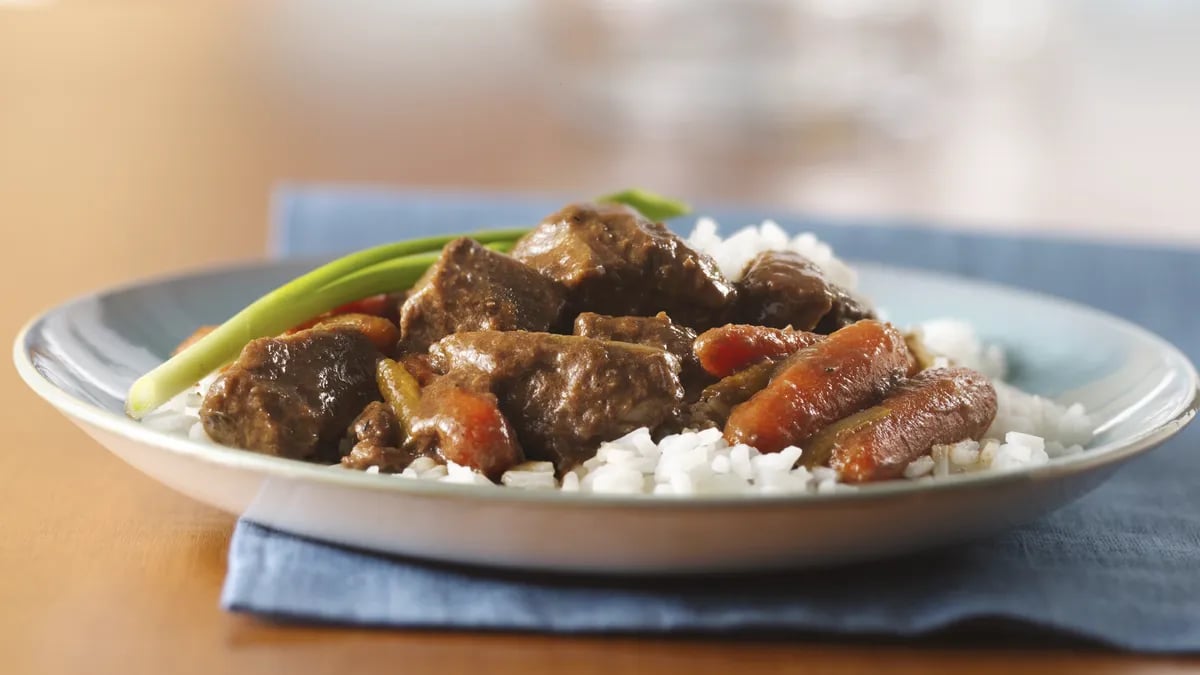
(784, 357)
(294, 395)
(614, 261)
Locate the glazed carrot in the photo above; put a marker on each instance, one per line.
(939, 406)
(724, 350)
(380, 331)
(382, 269)
(467, 427)
(376, 305)
(820, 384)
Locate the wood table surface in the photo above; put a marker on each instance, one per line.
(138, 139)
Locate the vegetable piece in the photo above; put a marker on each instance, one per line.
(724, 350)
(655, 207)
(382, 333)
(820, 384)
(399, 389)
(922, 358)
(466, 425)
(381, 269)
(376, 305)
(943, 405)
(819, 447)
(358, 275)
(718, 399)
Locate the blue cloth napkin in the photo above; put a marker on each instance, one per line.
(1120, 567)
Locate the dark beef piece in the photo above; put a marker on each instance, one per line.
(394, 302)
(566, 394)
(294, 395)
(473, 288)
(418, 366)
(376, 439)
(846, 310)
(389, 460)
(653, 331)
(783, 288)
(614, 261)
(718, 399)
(376, 425)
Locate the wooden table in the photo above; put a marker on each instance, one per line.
(136, 139)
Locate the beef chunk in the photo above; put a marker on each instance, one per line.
(376, 425)
(293, 396)
(783, 288)
(566, 394)
(847, 309)
(389, 459)
(419, 366)
(376, 439)
(473, 288)
(614, 261)
(653, 331)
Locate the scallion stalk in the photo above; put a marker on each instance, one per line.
(381, 269)
(355, 276)
(655, 207)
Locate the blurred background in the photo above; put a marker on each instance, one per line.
(134, 126)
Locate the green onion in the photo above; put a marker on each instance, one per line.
(655, 207)
(381, 269)
(378, 270)
(395, 269)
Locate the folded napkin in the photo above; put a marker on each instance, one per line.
(1118, 567)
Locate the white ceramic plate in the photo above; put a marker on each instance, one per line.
(82, 356)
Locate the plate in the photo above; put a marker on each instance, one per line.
(82, 357)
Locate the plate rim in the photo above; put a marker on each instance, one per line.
(233, 458)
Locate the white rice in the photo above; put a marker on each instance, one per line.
(732, 253)
(955, 340)
(1028, 430)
